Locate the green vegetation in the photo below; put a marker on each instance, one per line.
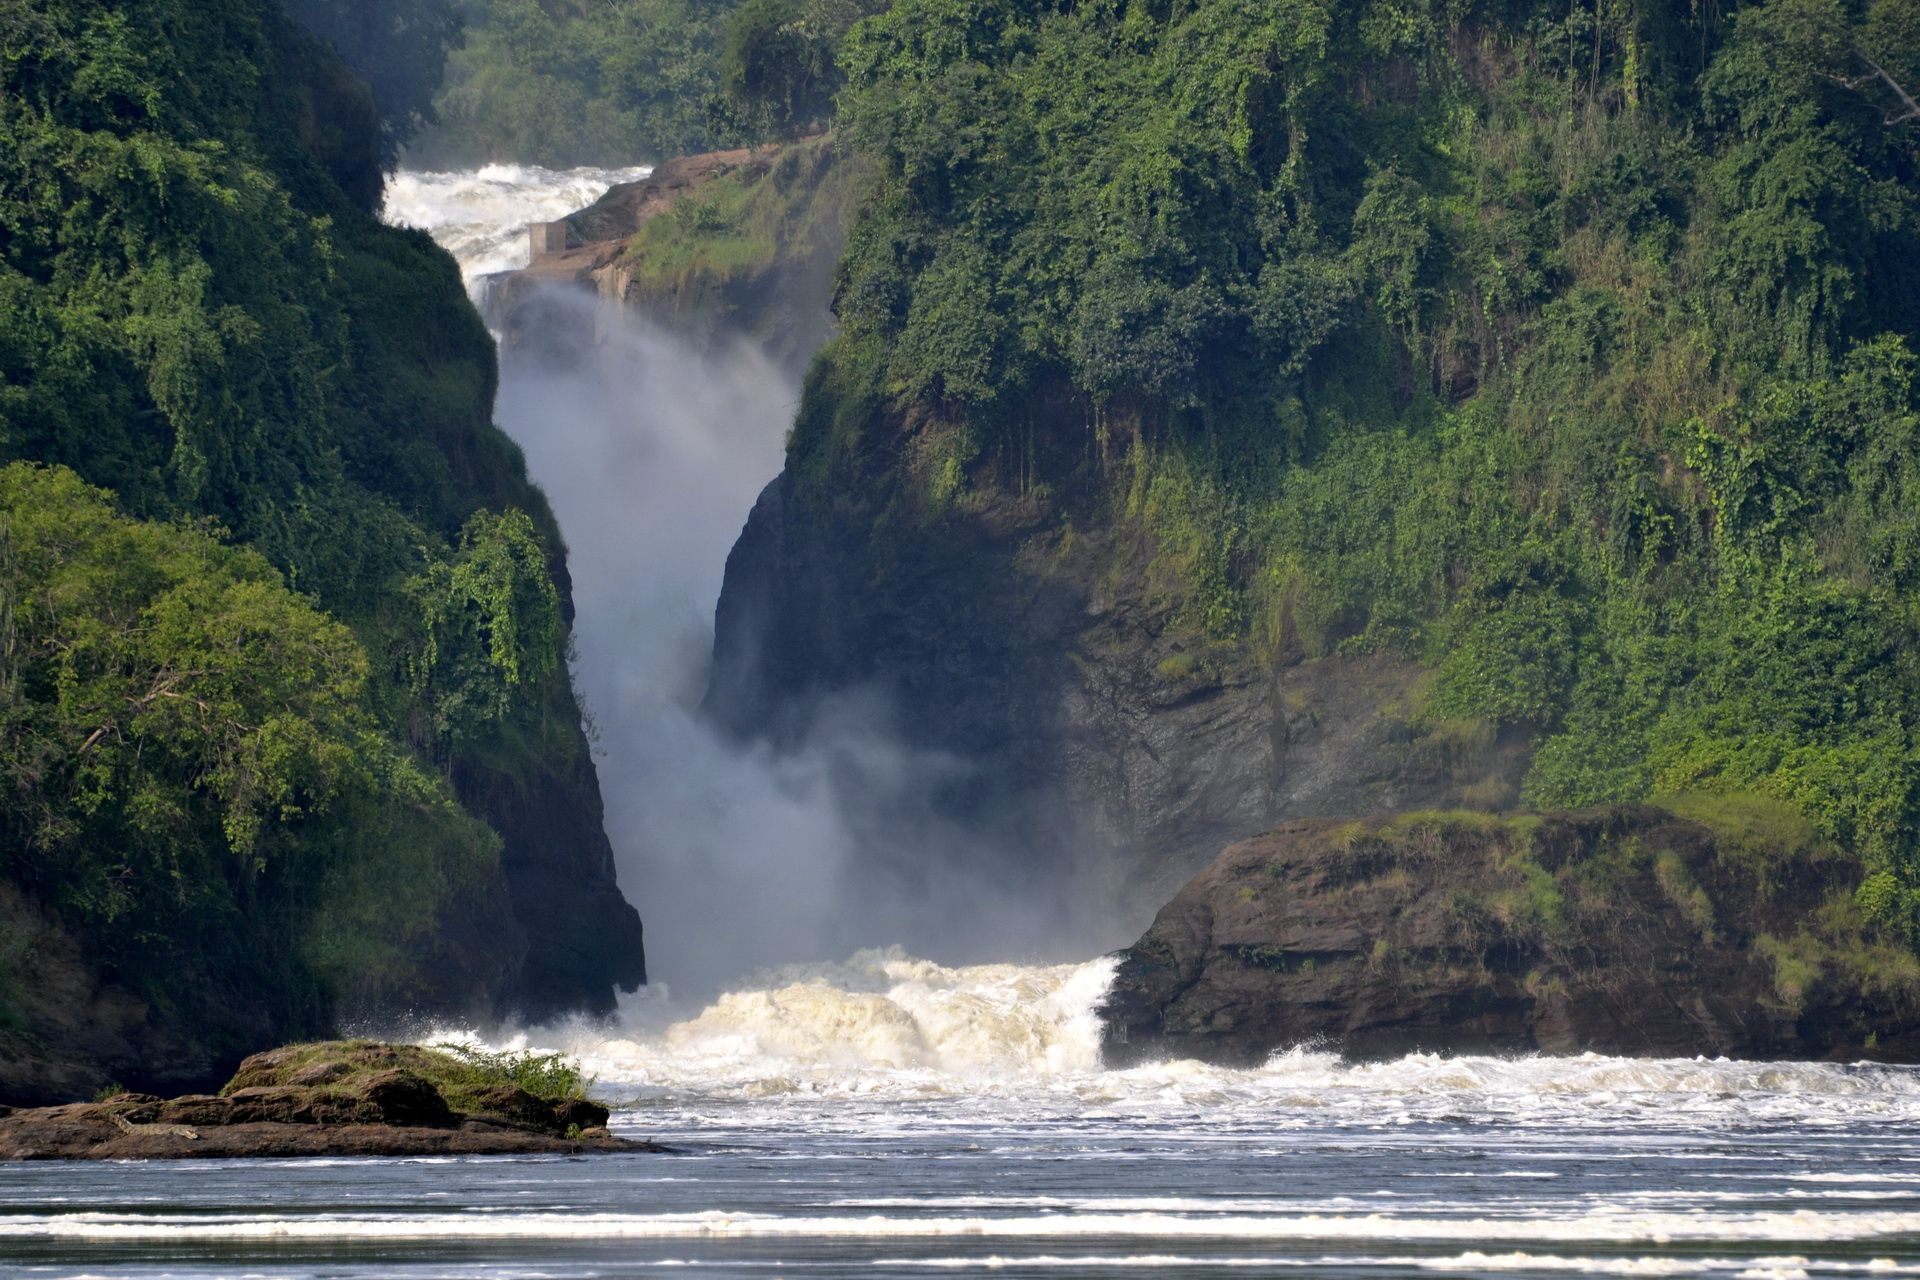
(567, 82)
(1569, 351)
(278, 612)
(397, 47)
(551, 1077)
(190, 749)
(471, 1080)
(1558, 882)
(743, 224)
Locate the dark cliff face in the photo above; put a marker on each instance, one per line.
(1626, 931)
(341, 428)
(1027, 635)
(584, 938)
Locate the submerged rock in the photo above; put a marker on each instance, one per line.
(1623, 930)
(357, 1098)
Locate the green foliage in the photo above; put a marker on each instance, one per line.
(489, 622)
(463, 1074)
(398, 47)
(257, 423)
(776, 68)
(190, 746)
(572, 82)
(567, 82)
(1570, 352)
(745, 222)
(548, 1076)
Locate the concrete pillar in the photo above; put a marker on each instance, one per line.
(545, 239)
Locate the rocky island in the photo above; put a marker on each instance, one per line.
(352, 1098)
(1623, 930)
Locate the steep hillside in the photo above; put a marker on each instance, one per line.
(290, 734)
(1248, 412)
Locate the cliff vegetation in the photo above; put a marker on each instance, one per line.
(1619, 930)
(282, 622)
(620, 82)
(1563, 354)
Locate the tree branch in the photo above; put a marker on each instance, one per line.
(1912, 111)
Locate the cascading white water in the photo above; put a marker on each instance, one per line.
(889, 1117)
(652, 445)
(480, 216)
(650, 488)
(884, 1027)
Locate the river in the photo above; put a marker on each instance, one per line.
(887, 1116)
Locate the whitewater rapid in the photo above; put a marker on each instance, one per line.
(889, 1117)
(886, 1116)
(1023, 1041)
(480, 216)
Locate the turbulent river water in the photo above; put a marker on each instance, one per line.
(887, 1116)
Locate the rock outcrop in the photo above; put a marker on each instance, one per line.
(584, 939)
(714, 247)
(346, 1098)
(1624, 930)
(1034, 640)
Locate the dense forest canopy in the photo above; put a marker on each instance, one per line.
(1568, 349)
(276, 592)
(398, 47)
(606, 82)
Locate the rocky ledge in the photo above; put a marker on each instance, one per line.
(353, 1098)
(1622, 930)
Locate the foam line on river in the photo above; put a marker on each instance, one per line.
(1789, 1267)
(884, 1026)
(1596, 1227)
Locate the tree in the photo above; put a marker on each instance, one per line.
(490, 623)
(779, 67)
(399, 47)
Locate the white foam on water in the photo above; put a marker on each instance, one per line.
(1595, 1227)
(880, 1023)
(480, 216)
(1471, 1261)
(886, 1026)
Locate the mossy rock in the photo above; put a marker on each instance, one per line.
(373, 1082)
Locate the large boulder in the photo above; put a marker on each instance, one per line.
(1623, 930)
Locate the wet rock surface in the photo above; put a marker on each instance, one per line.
(348, 1098)
(1623, 931)
(1096, 732)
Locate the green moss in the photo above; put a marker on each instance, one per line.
(462, 1073)
(1446, 822)
(1535, 902)
(1759, 833)
(1177, 668)
(1798, 963)
(1678, 884)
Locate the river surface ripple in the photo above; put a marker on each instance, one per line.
(889, 1117)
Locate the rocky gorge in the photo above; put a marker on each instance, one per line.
(1023, 611)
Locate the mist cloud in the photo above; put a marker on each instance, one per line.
(652, 450)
